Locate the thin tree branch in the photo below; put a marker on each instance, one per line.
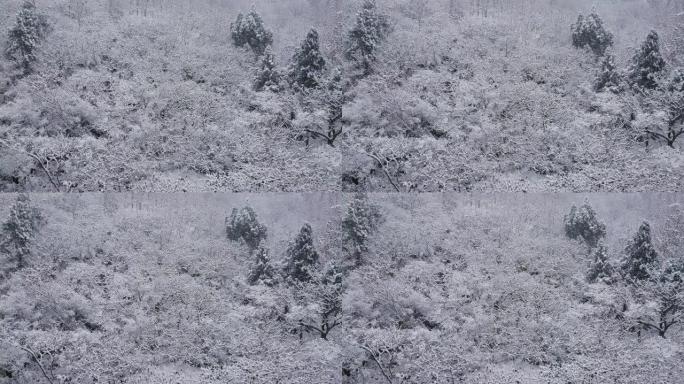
(35, 358)
(375, 359)
(36, 158)
(382, 166)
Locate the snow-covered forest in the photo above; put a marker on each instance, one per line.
(341, 288)
(341, 95)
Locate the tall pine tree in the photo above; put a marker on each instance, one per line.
(25, 36)
(370, 30)
(18, 232)
(249, 30)
(301, 257)
(589, 32)
(244, 225)
(262, 271)
(267, 77)
(308, 63)
(640, 255)
(648, 64)
(609, 78)
(600, 270)
(583, 224)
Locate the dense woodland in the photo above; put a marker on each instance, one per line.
(341, 95)
(333, 288)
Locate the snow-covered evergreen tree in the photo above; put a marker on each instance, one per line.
(609, 78)
(308, 63)
(301, 257)
(267, 76)
(249, 30)
(583, 224)
(18, 233)
(370, 30)
(600, 269)
(589, 32)
(648, 64)
(262, 271)
(360, 220)
(244, 225)
(640, 255)
(25, 35)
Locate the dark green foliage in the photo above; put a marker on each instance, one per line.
(244, 225)
(589, 32)
(262, 270)
(583, 224)
(358, 224)
(267, 76)
(641, 256)
(609, 78)
(370, 30)
(301, 257)
(18, 233)
(648, 64)
(25, 36)
(249, 30)
(600, 270)
(308, 63)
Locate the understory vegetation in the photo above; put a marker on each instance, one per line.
(335, 288)
(341, 95)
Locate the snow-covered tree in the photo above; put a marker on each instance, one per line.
(244, 225)
(370, 30)
(326, 122)
(18, 233)
(24, 37)
(672, 101)
(262, 271)
(359, 222)
(671, 240)
(589, 32)
(648, 64)
(308, 63)
(325, 303)
(662, 297)
(600, 269)
(609, 78)
(267, 76)
(249, 30)
(583, 224)
(301, 257)
(640, 255)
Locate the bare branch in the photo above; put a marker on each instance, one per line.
(35, 358)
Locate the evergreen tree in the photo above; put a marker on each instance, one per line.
(24, 37)
(370, 30)
(600, 269)
(609, 78)
(648, 64)
(308, 62)
(267, 76)
(589, 32)
(19, 231)
(301, 257)
(641, 256)
(244, 225)
(358, 224)
(583, 224)
(249, 30)
(262, 270)
(324, 296)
